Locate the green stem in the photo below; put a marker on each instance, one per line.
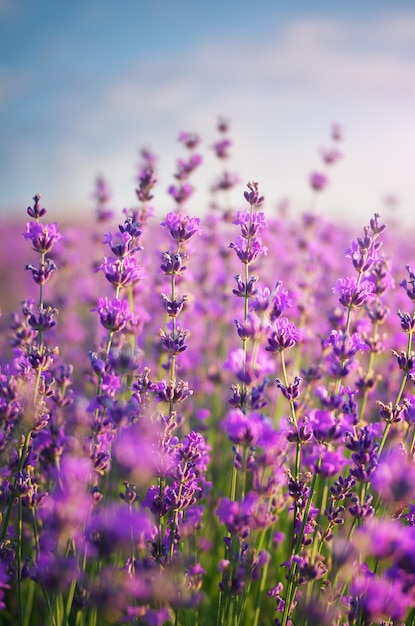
(263, 581)
(400, 391)
(293, 417)
(175, 519)
(69, 601)
(29, 602)
(285, 379)
(19, 561)
(37, 383)
(233, 479)
(395, 404)
(19, 469)
(244, 472)
(322, 508)
(291, 588)
(160, 520)
(369, 370)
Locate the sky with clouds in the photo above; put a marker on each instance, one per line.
(85, 84)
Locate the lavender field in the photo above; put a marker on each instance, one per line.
(207, 418)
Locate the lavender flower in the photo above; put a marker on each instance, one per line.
(353, 295)
(330, 155)
(284, 335)
(181, 228)
(377, 598)
(189, 140)
(252, 196)
(409, 285)
(221, 148)
(318, 181)
(185, 168)
(126, 244)
(249, 224)
(248, 251)
(114, 314)
(36, 212)
(42, 236)
(394, 477)
(243, 428)
(171, 473)
(42, 273)
(121, 273)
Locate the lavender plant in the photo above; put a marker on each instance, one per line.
(208, 432)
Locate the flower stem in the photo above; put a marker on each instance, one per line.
(292, 587)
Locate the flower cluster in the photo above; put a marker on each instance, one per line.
(219, 425)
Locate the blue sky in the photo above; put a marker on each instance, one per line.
(85, 84)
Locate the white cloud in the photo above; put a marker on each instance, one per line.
(312, 61)
(281, 92)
